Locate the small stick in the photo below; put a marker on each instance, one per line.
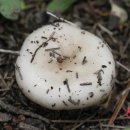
(67, 84)
(56, 53)
(113, 126)
(122, 82)
(51, 14)
(99, 76)
(120, 104)
(100, 125)
(3, 81)
(65, 103)
(77, 75)
(84, 60)
(73, 102)
(121, 65)
(4, 89)
(15, 110)
(51, 49)
(25, 126)
(9, 52)
(87, 120)
(19, 72)
(77, 126)
(126, 45)
(33, 56)
(85, 84)
(105, 29)
(69, 71)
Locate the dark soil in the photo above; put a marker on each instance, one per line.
(19, 113)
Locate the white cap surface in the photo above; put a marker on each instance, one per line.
(63, 67)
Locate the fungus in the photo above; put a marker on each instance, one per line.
(69, 67)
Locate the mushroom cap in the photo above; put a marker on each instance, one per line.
(63, 67)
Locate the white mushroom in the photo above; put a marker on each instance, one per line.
(63, 67)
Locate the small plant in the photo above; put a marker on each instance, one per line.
(60, 5)
(10, 9)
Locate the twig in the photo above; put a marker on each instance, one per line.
(81, 123)
(73, 102)
(3, 81)
(53, 128)
(67, 85)
(9, 52)
(77, 126)
(25, 126)
(56, 53)
(42, 45)
(4, 89)
(113, 126)
(17, 111)
(120, 104)
(122, 82)
(51, 49)
(19, 72)
(126, 45)
(86, 83)
(100, 125)
(84, 60)
(64, 20)
(87, 120)
(105, 29)
(121, 65)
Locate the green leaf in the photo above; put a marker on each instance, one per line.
(10, 9)
(23, 5)
(59, 5)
